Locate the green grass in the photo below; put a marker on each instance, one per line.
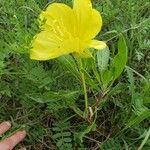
(38, 96)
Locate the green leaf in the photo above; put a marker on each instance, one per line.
(90, 81)
(69, 62)
(138, 119)
(145, 140)
(137, 99)
(111, 144)
(80, 135)
(146, 94)
(131, 81)
(118, 63)
(138, 106)
(103, 58)
(120, 59)
(107, 77)
(51, 96)
(59, 135)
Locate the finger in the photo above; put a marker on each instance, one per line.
(4, 126)
(11, 142)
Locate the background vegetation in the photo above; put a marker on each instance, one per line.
(37, 95)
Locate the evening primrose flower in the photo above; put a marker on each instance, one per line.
(67, 30)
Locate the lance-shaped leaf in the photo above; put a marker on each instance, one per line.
(103, 58)
(118, 63)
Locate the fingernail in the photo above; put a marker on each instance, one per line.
(23, 133)
(7, 123)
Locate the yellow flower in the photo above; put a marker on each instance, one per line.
(67, 30)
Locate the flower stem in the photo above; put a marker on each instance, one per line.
(84, 87)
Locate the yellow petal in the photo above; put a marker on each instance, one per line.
(99, 45)
(86, 53)
(56, 39)
(89, 21)
(47, 45)
(60, 18)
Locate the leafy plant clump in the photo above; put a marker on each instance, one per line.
(101, 102)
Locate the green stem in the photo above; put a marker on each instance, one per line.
(84, 86)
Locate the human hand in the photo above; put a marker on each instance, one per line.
(10, 142)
